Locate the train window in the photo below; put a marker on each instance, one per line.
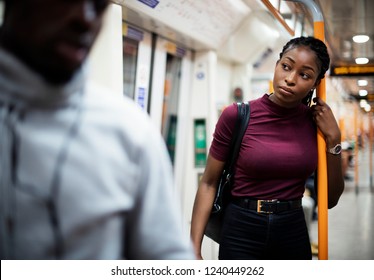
(170, 103)
(130, 54)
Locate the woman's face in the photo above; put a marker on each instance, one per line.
(294, 76)
(52, 36)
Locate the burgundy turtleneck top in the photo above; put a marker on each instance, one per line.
(278, 151)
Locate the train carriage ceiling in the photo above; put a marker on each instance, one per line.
(245, 31)
(343, 20)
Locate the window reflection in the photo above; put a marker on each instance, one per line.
(170, 103)
(130, 54)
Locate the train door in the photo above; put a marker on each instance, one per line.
(169, 115)
(157, 75)
(137, 49)
(130, 55)
(170, 99)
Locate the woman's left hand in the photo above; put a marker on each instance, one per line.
(325, 120)
(328, 126)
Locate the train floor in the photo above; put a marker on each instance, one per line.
(351, 222)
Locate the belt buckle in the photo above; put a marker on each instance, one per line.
(260, 204)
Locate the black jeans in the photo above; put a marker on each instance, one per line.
(248, 235)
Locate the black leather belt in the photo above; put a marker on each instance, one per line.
(267, 206)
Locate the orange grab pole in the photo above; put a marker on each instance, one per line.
(319, 33)
(356, 148)
(278, 16)
(371, 149)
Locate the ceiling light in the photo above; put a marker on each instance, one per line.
(367, 108)
(362, 83)
(360, 38)
(361, 60)
(363, 103)
(363, 92)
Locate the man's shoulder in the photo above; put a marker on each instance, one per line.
(116, 110)
(110, 101)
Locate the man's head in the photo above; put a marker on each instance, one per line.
(53, 37)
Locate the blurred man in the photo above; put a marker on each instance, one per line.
(83, 174)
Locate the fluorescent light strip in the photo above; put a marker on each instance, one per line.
(360, 38)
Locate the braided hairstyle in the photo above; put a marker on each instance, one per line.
(319, 48)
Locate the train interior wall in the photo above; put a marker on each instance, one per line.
(208, 76)
(209, 81)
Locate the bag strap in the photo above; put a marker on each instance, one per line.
(236, 140)
(241, 127)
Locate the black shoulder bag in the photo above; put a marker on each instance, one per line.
(214, 225)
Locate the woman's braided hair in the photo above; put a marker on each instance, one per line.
(319, 48)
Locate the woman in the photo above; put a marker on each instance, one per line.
(265, 219)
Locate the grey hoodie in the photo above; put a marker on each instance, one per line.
(83, 174)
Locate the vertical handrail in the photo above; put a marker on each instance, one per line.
(355, 129)
(319, 33)
(371, 150)
(322, 167)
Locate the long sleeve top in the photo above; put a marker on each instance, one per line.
(83, 174)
